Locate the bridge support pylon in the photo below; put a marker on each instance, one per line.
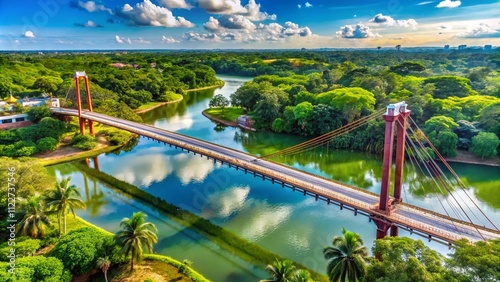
(77, 77)
(395, 114)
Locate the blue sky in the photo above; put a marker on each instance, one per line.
(227, 24)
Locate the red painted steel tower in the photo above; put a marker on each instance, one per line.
(77, 77)
(395, 114)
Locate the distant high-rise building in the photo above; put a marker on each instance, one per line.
(446, 47)
(487, 47)
(462, 47)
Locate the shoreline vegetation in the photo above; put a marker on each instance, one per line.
(227, 240)
(229, 118)
(153, 105)
(78, 222)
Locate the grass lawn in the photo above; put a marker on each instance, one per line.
(148, 105)
(230, 113)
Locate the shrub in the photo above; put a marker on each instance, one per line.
(41, 269)
(80, 249)
(23, 248)
(84, 142)
(47, 144)
(35, 114)
(117, 137)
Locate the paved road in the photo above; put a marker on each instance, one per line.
(408, 217)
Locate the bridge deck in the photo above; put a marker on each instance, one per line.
(435, 226)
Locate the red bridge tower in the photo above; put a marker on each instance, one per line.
(77, 77)
(396, 113)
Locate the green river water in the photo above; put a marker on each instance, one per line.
(283, 221)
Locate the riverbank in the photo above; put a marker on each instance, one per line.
(466, 157)
(153, 105)
(227, 240)
(229, 119)
(156, 267)
(66, 153)
(206, 87)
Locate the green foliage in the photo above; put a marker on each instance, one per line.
(117, 109)
(346, 257)
(84, 142)
(117, 136)
(277, 125)
(407, 67)
(35, 221)
(447, 86)
(219, 101)
(404, 259)
(80, 249)
(445, 142)
(35, 114)
(136, 236)
(24, 247)
(39, 268)
(489, 118)
(475, 262)
(169, 96)
(47, 84)
(351, 101)
(440, 123)
(46, 144)
(485, 145)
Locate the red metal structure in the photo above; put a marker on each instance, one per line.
(77, 77)
(396, 113)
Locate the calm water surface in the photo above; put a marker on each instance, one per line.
(283, 221)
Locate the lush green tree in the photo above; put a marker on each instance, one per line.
(104, 263)
(485, 145)
(219, 101)
(490, 118)
(50, 127)
(266, 110)
(475, 262)
(303, 112)
(440, 123)
(25, 247)
(351, 101)
(84, 142)
(47, 144)
(37, 113)
(136, 236)
(346, 257)
(407, 67)
(80, 249)
(404, 259)
(47, 84)
(447, 86)
(445, 142)
(281, 271)
(63, 199)
(35, 221)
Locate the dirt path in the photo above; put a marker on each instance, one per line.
(65, 150)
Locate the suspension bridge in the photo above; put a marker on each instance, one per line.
(388, 212)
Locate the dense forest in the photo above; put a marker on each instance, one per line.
(454, 96)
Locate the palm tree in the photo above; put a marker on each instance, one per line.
(282, 271)
(64, 198)
(347, 257)
(35, 220)
(302, 275)
(104, 264)
(136, 235)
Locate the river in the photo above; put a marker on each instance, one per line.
(283, 221)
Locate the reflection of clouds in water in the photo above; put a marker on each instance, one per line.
(191, 168)
(176, 122)
(104, 210)
(224, 203)
(257, 219)
(146, 166)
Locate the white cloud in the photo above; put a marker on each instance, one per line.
(142, 41)
(29, 34)
(300, 6)
(222, 6)
(213, 25)
(449, 4)
(176, 4)
(236, 22)
(254, 14)
(148, 14)
(91, 6)
(308, 5)
(169, 39)
(389, 21)
(481, 30)
(425, 3)
(358, 31)
(118, 39)
(192, 36)
(129, 41)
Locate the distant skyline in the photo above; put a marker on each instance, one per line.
(247, 24)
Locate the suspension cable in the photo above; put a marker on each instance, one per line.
(326, 137)
(459, 181)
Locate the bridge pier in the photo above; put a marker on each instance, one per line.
(77, 76)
